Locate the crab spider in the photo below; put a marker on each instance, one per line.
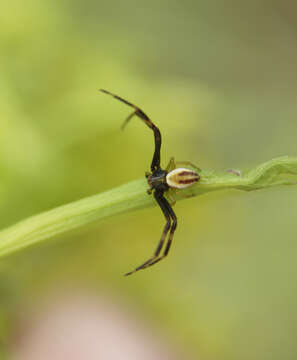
(160, 181)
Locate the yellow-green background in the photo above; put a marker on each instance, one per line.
(219, 78)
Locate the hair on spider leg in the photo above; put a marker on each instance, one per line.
(160, 181)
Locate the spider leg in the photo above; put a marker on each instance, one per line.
(170, 197)
(162, 203)
(139, 113)
(127, 120)
(172, 230)
(188, 163)
(171, 165)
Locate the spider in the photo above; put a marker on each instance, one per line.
(160, 181)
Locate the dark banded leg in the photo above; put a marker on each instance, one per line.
(169, 242)
(138, 112)
(163, 205)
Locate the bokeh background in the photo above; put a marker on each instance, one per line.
(219, 78)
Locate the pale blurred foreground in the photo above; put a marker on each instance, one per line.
(87, 327)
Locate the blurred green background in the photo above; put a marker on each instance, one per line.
(219, 78)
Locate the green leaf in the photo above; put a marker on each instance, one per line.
(133, 196)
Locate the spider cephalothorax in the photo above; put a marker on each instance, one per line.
(160, 181)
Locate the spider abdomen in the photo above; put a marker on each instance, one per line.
(181, 178)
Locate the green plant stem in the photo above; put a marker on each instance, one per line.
(133, 196)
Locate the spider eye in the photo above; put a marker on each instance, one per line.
(181, 178)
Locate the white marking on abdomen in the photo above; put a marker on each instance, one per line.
(181, 178)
